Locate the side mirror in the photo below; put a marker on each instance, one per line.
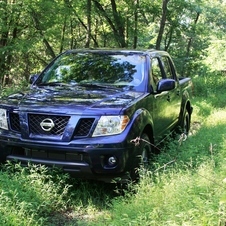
(166, 85)
(33, 78)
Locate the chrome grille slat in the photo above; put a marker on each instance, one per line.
(35, 120)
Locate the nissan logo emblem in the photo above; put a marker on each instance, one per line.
(47, 124)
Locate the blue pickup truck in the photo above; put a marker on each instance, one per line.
(83, 111)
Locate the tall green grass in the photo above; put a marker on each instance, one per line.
(190, 190)
(186, 184)
(29, 195)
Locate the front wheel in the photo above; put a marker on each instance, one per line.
(146, 150)
(143, 161)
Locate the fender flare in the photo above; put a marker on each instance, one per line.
(142, 122)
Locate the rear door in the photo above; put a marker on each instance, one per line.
(174, 100)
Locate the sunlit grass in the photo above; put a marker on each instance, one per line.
(186, 184)
(191, 190)
(29, 195)
(218, 117)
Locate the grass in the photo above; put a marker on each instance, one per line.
(30, 195)
(190, 191)
(185, 186)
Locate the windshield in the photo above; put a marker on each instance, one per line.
(95, 69)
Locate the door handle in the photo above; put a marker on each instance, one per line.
(161, 94)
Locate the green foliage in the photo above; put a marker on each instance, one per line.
(29, 195)
(216, 55)
(34, 32)
(174, 198)
(184, 186)
(7, 90)
(187, 184)
(209, 89)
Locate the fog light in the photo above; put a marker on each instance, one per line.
(112, 161)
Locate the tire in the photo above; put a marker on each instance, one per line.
(185, 125)
(146, 150)
(143, 157)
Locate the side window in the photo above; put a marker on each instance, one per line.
(155, 71)
(167, 67)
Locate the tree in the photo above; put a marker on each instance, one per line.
(9, 33)
(117, 24)
(162, 23)
(33, 32)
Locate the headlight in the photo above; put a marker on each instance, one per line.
(110, 125)
(3, 119)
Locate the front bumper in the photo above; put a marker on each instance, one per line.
(87, 161)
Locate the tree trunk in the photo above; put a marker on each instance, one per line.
(8, 36)
(191, 38)
(168, 38)
(87, 28)
(63, 35)
(3, 43)
(136, 5)
(162, 23)
(188, 49)
(117, 26)
(120, 25)
(88, 34)
(39, 29)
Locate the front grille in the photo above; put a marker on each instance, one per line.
(14, 121)
(83, 127)
(60, 123)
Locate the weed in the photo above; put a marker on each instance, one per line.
(185, 185)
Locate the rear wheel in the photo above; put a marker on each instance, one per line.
(185, 127)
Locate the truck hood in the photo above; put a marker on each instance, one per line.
(72, 98)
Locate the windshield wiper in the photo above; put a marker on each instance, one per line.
(52, 84)
(98, 85)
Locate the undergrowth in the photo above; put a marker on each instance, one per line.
(186, 184)
(29, 195)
